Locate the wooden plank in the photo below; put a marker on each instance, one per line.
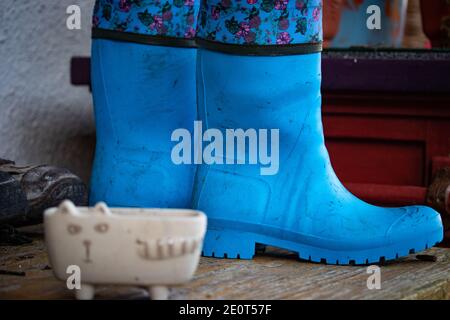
(275, 274)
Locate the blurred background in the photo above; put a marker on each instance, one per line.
(404, 23)
(43, 118)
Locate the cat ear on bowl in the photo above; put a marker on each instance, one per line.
(102, 208)
(67, 207)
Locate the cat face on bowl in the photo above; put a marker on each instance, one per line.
(86, 236)
(129, 248)
(75, 228)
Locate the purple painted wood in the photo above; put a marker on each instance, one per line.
(404, 74)
(80, 71)
(360, 70)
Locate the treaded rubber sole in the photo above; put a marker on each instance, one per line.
(241, 245)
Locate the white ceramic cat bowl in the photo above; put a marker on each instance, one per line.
(152, 248)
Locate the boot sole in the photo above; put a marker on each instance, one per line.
(241, 245)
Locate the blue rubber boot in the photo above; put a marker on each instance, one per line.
(301, 206)
(143, 83)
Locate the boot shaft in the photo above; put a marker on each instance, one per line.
(142, 92)
(262, 93)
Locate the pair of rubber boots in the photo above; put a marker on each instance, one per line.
(147, 98)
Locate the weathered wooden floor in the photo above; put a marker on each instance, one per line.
(272, 275)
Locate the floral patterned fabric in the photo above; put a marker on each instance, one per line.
(173, 18)
(261, 22)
